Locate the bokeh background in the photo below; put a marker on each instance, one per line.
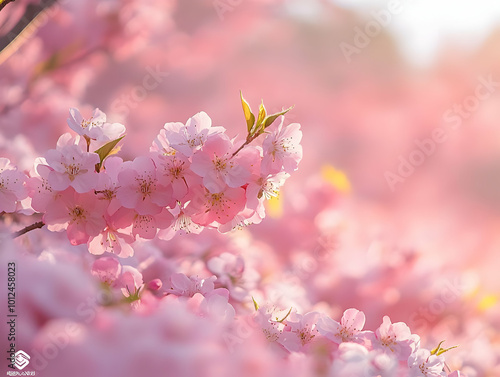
(425, 251)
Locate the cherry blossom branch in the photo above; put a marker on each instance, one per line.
(247, 141)
(29, 228)
(4, 3)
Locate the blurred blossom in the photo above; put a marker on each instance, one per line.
(382, 242)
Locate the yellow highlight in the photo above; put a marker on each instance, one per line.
(336, 178)
(274, 207)
(487, 302)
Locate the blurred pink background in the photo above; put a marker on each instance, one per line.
(395, 251)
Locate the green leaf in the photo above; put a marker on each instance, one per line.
(249, 117)
(261, 117)
(255, 305)
(439, 351)
(271, 118)
(436, 350)
(106, 150)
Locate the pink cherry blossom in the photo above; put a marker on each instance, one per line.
(12, 189)
(81, 215)
(190, 137)
(348, 330)
(129, 281)
(264, 188)
(139, 188)
(116, 236)
(181, 285)
(106, 269)
(38, 186)
(107, 183)
(352, 359)
(182, 224)
(395, 338)
(244, 218)
(214, 162)
(146, 226)
(281, 148)
(233, 274)
(72, 167)
(154, 285)
(422, 363)
(95, 127)
(271, 328)
(207, 207)
(300, 330)
(174, 170)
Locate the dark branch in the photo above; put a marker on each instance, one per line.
(29, 228)
(4, 3)
(23, 25)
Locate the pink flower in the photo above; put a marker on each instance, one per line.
(95, 127)
(107, 183)
(38, 186)
(161, 144)
(181, 285)
(71, 167)
(174, 170)
(207, 207)
(264, 188)
(146, 226)
(116, 236)
(422, 363)
(106, 269)
(130, 281)
(82, 215)
(139, 189)
(233, 274)
(352, 359)
(187, 139)
(395, 338)
(214, 162)
(281, 148)
(348, 330)
(271, 329)
(182, 225)
(215, 305)
(12, 189)
(299, 331)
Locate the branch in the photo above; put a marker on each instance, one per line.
(29, 228)
(23, 29)
(4, 3)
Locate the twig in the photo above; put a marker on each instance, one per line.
(4, 3)
(29, 228)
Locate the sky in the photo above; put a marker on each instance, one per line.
(424, 25)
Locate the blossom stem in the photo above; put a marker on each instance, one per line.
(247, 141)
(29, 228)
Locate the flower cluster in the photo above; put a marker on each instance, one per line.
(390, 350)
(194, 177)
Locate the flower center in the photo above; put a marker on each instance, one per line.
(78, 214)
(220, 164)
